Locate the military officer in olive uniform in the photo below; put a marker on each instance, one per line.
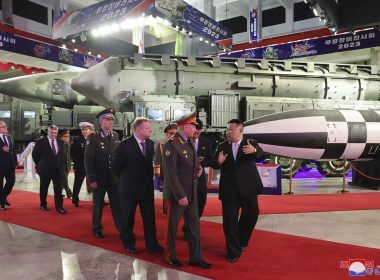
(181, 171)
(98, 157)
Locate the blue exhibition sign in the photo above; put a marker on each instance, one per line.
(253, 26)
(192, 19)
(104, 11)
(21, 45)
(323, 45)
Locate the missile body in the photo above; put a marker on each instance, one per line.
(318, 134)
(48, 88)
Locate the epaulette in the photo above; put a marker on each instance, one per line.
(171, 138)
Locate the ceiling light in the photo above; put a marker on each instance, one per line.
(200, 39)
(73, 40)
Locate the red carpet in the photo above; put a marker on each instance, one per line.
(306, 203)
(269, 256)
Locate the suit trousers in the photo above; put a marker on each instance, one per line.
(201, 194)
(5, 190)
(78, 181)
(237, 231)
(190, 214)
(45, 179)
(98, 204)
(128, 213)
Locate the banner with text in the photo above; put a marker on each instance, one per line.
(253, 26)
(324, 45)
(21, 45)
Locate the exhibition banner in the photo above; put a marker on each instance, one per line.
(21, 45)
(107, 11)
(318, 46)
(253, 26)
(192, 20)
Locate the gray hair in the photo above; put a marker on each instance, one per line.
(138, 121)
(53, 127)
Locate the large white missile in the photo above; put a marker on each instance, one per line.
(318, 134)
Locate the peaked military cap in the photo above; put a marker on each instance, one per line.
(86, 124)
(170, 126)
(187, 119)
(108, 113)
(64, 133)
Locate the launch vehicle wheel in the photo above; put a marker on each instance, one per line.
(287, 165)
(333, 168)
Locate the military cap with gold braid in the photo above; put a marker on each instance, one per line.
(106, 114)
(187, 119)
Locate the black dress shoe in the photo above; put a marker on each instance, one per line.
(2, 207)
(76, 204)
(69, 195)
(61, 211)
(232, 259)
(156, 249)
(131, 250)
(175, 263)
(201, 264)
(99, 234)
(243, 248)
(7, 203)
(44, 208)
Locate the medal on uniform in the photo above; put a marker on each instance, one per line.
(167, 153)
(101, 143)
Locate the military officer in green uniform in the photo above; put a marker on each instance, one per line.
(65, 137)
(181, 171)
(98, 157)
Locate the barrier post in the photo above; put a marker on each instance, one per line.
(290, 179)
(343, 190)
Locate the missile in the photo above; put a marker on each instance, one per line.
(49, 88)
(318, 134)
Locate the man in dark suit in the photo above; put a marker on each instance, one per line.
(133, 164)
(98, 157)
(49, 159)
(204, 151)
(181, 171)
(77, 155)
(8, 163)
(239, 186)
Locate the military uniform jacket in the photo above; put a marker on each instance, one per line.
(180, 165)
(77, 153)
(98, 157)
(240, 178)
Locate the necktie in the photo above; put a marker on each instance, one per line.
(53, 147)
(234, 149)
(143, 148)
(191, 144)
(109, 136)
(5, 140)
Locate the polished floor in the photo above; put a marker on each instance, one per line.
(66, 259)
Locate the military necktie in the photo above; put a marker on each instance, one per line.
(109, 136)
(53, 147)
(191, 144)
(143, 146)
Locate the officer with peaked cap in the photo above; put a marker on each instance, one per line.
(98, 156)
(77, 155)
(181, 172)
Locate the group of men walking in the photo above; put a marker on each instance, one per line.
(124, 171)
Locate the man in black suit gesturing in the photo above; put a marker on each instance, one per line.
(49, 159)
(239, 186)
(8, 162)
(134, 165)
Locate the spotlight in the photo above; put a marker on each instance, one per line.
(190, 33)
(206, 41)
(99, 56)
(73, 40)
(212, 44)
(89, 53)
(200, 39)
(75, 49)
(64, 46)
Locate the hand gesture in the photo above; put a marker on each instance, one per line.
(6, 148)
(222, 157)
(183, 201)
(249, 148)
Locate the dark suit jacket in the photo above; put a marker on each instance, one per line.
(77, 153)
(240, 178)
(135, 170)
(10, 157)
(46, 161)
(205, 151)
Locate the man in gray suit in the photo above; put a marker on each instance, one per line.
(181, 172)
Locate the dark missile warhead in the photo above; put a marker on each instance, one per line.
(318, 134)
